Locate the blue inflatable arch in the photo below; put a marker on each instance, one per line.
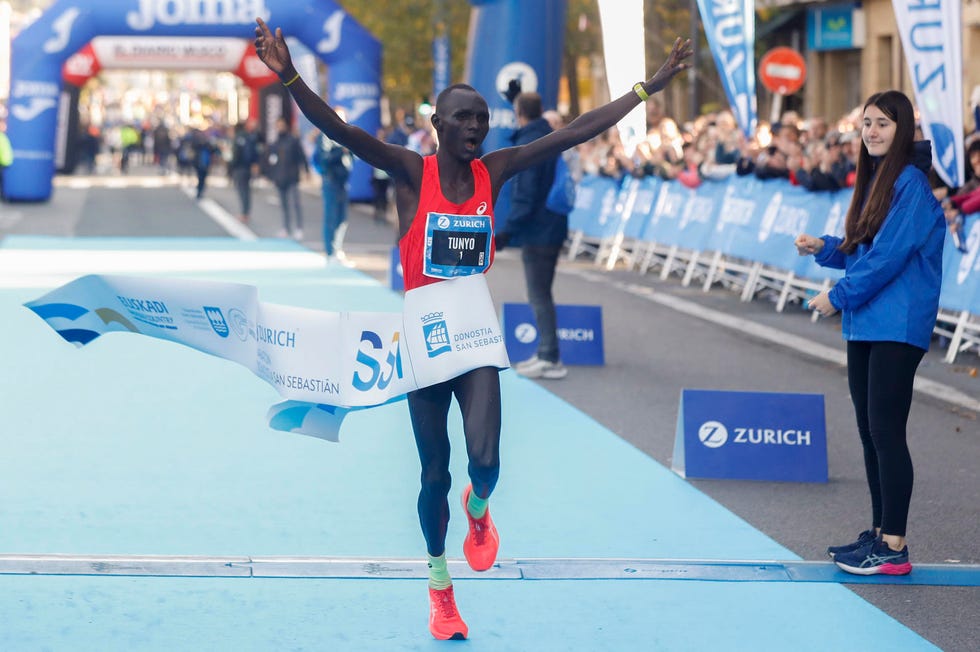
(39, 51)
(519, 40)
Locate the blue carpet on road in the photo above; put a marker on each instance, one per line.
(137, 446)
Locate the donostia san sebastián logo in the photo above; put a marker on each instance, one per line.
(436, 334)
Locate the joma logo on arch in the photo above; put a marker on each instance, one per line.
(195, 12)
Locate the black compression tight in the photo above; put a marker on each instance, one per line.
(880, 377)
(478, 395)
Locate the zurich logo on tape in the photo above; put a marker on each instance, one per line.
(579, 333)
(751, 436)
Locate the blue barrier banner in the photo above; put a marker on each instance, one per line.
(579, 333)
(595, 198)
(663, 224)
(641, 203)
(751, 436)
(613, 221)
(738, 215)
(961, 271)
(750, 219)
(729, 26)
(681, 216)
(396, 280)
(788, 213)
(828, 221)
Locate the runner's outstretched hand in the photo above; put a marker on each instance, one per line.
(272, 50)
(674, 64)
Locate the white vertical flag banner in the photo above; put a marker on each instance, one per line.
(932, 37)
(730, 28)
(624, 52)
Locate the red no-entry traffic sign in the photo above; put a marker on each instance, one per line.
(782, 70)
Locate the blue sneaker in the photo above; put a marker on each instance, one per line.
(874, 559)
(863, 539)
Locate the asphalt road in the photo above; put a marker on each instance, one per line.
(653, 350)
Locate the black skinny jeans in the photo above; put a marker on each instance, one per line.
(478, 395)
(880, 376)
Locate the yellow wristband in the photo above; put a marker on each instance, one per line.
(637, 88)
(291, 80)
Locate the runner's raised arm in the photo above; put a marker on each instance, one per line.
(397, 161)
(505, 163)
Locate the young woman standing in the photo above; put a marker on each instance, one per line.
(888, 297)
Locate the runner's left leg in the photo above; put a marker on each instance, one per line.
(429, 408)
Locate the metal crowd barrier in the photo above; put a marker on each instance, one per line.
(739, 233)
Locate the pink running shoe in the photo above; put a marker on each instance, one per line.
(445, 622)
(481, 543)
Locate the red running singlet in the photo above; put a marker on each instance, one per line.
(412, 246)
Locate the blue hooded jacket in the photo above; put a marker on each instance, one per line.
(529, 222)
(890, 289)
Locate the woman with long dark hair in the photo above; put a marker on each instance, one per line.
(889, 296)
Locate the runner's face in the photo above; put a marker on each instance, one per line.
(463, 123)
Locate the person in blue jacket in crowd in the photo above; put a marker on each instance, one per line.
(892, 255)
(541, 233)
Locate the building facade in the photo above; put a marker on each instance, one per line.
(853, 49)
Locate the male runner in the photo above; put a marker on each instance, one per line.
(453, 182)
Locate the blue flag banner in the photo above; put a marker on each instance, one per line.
(441, 65)
(579, 333)
(932, 39)
(751, 436)
(730, 28)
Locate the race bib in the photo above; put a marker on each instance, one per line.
(456, 245)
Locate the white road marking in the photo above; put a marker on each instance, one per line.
(223, 218)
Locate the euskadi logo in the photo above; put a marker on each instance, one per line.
(195, 12)
(436, 334)
(713, 434)
(218, 323)
(239, 323)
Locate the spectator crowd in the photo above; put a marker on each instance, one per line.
(813, 153)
